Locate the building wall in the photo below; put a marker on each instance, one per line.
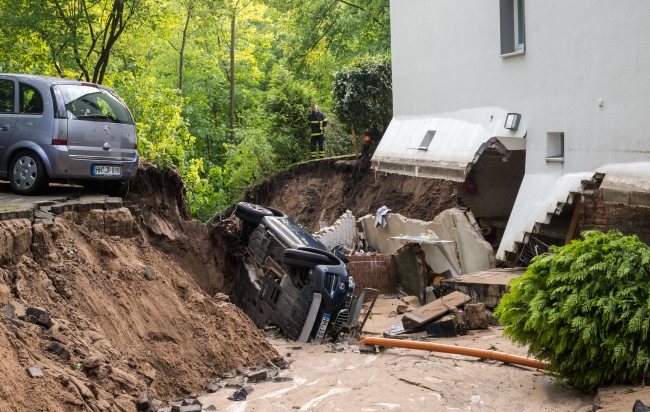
(343, 231)
(446, 58)
(595, 213)
(497, 184)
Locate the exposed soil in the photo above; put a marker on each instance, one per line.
(127, 295)
(323, 190)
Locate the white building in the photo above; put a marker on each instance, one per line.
(576, 71)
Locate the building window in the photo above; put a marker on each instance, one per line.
(555, 147)
(513, 30)
(427, 140)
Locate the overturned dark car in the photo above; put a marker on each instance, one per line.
(291, 280)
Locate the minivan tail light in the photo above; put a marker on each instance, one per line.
(59, 142)
(135, 146)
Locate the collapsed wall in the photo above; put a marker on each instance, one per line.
(126, 294)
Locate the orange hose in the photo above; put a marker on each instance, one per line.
(459, 350)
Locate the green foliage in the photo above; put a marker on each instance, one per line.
(586, 309)
(163, 135)
(338, 141)
(249, 161)
(287, 107)
(285, 54)
(363, 93)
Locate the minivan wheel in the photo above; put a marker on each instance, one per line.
(27, 173)
(251, 213)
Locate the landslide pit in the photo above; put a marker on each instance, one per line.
(323, 190)
(131, 298)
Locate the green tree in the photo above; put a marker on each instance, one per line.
(363, 93)
(586, 309)
(287, 106)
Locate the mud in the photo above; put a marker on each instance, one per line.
(323, 190)
(127, 296)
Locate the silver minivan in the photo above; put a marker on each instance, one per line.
(56, 130)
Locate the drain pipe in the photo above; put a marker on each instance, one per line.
(458, 350)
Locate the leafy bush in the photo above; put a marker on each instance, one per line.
(287, 107)
(585, 308)
(363, 94)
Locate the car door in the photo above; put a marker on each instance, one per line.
(8, 111)
(31, 123)
(100, 127)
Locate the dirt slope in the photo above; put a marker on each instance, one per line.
(131, 316)
(323, 190)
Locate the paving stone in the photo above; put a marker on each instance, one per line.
(59, 350)
(63, 207)
(112, 203)
(35, 372)
(145, 402)
(16, 214)
(281, 379)
(39, 317)
(257, 376)
(238, 396)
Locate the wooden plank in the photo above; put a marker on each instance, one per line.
(434, 310)
(571, 234)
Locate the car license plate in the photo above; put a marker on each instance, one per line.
(323, 326)
(107, 170)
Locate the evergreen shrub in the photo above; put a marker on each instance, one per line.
(585, 308)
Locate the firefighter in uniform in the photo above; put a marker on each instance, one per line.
(317, 121)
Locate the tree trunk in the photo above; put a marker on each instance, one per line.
(180, 65)
(232, 78)
(354, 140)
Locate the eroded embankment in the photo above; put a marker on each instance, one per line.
(323, 190)
(127, 299)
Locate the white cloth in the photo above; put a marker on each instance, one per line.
(380, 219)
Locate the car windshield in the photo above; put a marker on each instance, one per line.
(93, 104)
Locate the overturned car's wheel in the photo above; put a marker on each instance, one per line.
(304, 259)
(251, 213)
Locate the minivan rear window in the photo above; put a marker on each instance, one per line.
(93, 104)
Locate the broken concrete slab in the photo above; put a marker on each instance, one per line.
(434, 310)
(471, 252)
(487, 287)
(212, 388)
